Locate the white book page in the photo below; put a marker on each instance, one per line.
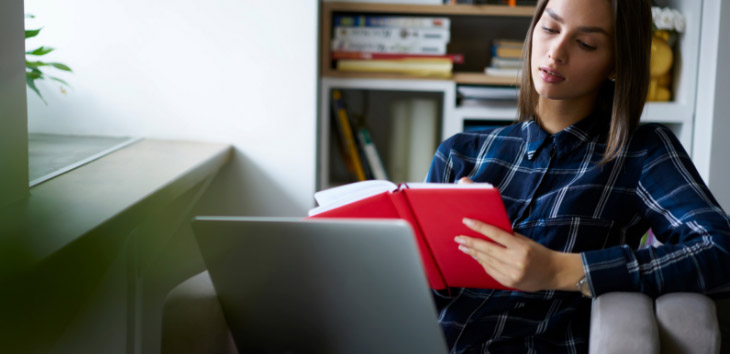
(332, 198)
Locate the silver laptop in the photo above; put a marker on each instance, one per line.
(289, 285)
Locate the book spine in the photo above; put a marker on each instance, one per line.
(345, 129)
(413, 67)
(371, 153)
(435, 276)
(392, 33)
(502, 71)
(337, 55)
(506, 52)
(506, 63)
(401, 47)
(391, 21)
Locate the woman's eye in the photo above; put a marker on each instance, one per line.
(549, 30)
(586, 46)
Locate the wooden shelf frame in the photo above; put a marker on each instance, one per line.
(444, 10)
(475, 78)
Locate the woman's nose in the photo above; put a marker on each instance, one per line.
(557, 51)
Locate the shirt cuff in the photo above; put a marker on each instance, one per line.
(606, 270)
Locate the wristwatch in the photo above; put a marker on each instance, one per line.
(583, 287)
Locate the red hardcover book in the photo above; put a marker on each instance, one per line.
(435, 212)
(336, 55)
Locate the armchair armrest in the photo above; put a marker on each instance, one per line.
(687, 323)
(623, 322)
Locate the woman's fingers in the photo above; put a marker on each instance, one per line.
(494, 233)
(493, 266)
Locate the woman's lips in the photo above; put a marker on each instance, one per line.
(550, 76)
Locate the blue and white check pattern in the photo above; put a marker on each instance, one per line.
(557, 194)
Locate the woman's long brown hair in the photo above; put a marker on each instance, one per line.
(624, 99)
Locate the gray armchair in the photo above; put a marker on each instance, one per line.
(672, 324)
(621, 323)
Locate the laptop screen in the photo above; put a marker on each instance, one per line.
(288, 285)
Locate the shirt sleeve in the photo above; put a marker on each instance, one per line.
(685, 217)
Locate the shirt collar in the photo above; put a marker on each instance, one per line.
(566, 140)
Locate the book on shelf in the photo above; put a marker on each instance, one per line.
(337, 55)
(392, 33)
(394, 47)
(502, 72)
(349, 147)
(506, 93)
(507, 52)
(416, 67)
(507, 48)
(506, 63)
(412, 2)
(511, 2)
(435, 212)
(371, 155)
(391, 21)
(413, 130)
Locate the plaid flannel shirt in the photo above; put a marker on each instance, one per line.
(557, 194)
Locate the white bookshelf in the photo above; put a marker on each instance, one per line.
(677, 114)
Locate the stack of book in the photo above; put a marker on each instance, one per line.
(393, 44)
(506, 58)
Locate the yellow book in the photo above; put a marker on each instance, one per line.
(507, 52)
(348, 139)
(436, 67)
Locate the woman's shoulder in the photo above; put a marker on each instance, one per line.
(656, 139)
(653, 135)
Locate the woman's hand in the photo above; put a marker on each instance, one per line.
(519, 262)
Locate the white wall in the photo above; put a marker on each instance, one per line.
(237, 71)
(13, 140)
(712, 123)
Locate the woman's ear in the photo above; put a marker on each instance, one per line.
(612, 76)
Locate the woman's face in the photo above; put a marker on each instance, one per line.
(572, 49)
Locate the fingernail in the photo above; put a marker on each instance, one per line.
(463, 248)
(468, 222)
(459, 240)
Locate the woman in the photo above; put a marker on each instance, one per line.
(582, 182)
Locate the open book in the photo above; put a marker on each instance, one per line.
(435, 212)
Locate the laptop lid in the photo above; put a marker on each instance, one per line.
(288, 285)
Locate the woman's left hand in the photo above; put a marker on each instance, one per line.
(513, 260)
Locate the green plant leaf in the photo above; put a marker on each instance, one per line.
(60, 66)
(59, 80)
(36, 74)
(35, 64)
(31, 84)
(29, 16)
(40, 51)
(32, 33)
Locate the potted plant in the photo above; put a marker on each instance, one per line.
(35, 68)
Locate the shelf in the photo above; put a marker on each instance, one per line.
(440, 10)
(459, 78)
